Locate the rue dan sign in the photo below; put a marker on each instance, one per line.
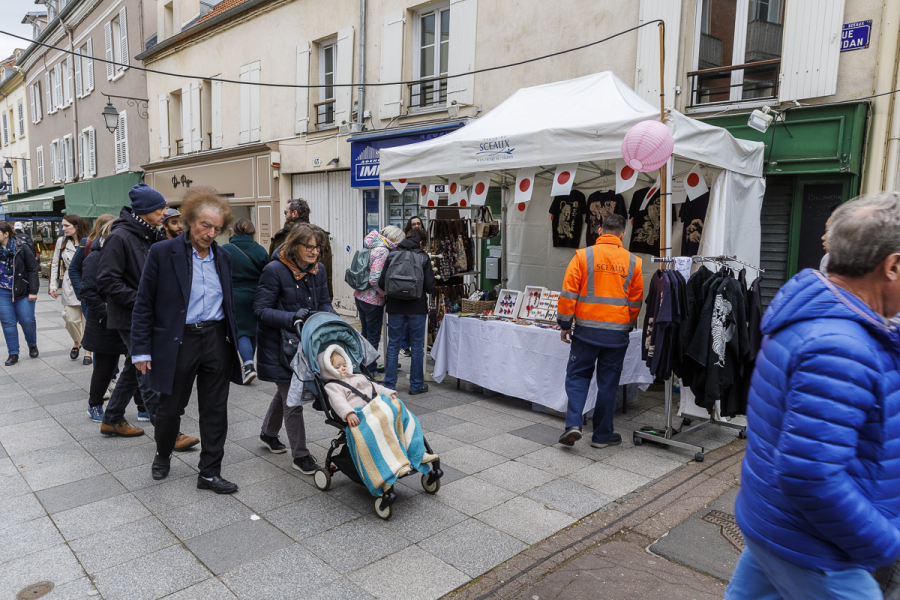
(855, 36)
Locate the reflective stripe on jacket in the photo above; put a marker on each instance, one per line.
(607, 295)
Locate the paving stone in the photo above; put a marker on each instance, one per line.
(79, 589)
(509, 445)
(120, 458)
(272, 493)
(236, 544)
(473, 547)
(251, 471)
(609, 480)
(569, 497)
(555, 460)
(526, 519)
(139, 477)
(294, 568)
(643, 463)
(515, 476)
(12, 485)
(471, 495)
(55, 466)
(435, 421)
(171, 493)
(24, 415)
(121, 544)
(340, 589)
(355, 544)
(77, 493)
(99, 516)
(470, 459)
(59, 394)
(418, 409)
(56, 564)
(28, 537)
(243, 429)
(419, 516)
(469, 432)
(210, 513)
(311, 516)
(543, 434)
(19, 509)
(211, 589)
(153, 576)
(392, 577)
(32, 436)
(14, 401)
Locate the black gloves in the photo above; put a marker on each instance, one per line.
(301, 315)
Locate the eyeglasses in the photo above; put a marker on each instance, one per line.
(312, 248)
(206, 226)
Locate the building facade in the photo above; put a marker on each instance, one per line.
(14, 127)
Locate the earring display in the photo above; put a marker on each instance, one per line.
(508, 303)
(531, 301)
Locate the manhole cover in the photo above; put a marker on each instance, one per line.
(728, 527)
(37, 590)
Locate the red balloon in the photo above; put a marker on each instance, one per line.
(627, 172)
(563, 177)
(521, 206)
(479, 189)
(524, 185)
(453, 188)
(693, 180)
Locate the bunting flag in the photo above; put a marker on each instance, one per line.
(427, 195)
(626, 177)
(455, 189)
(563, 180)
(525, 184)
(399, 185)
(650, 193)
(478, 193)
(694, 184)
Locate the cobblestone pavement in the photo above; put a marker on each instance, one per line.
(82, 511)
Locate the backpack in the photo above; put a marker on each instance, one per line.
(357, 275)
(405, 279)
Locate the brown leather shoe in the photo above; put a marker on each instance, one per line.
(184, 442)
(124, 429)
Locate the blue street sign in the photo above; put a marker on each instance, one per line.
(855, 36)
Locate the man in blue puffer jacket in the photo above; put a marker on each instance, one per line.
(819, 505)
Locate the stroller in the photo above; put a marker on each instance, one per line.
(319, 331)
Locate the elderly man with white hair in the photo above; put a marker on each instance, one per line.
(819, 505)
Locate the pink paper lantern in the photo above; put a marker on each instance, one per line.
(647, 146)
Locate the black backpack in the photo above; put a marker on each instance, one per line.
(404, 279)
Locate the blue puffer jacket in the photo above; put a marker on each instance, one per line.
(821, 477)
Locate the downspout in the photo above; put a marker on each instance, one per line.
(361, 94)
(75, 140)
(885, 108)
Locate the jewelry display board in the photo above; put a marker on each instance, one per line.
(508, 303)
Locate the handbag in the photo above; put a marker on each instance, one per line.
(460, 247)
(290, 343)
(486, 226)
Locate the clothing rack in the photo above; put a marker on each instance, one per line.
(670, 436)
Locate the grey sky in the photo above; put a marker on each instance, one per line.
(11, 13)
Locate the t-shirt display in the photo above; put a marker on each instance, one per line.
(567, 213)
(644, 223)
(693, 216)
(599, 205)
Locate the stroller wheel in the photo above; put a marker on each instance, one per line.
(384, 512)
(322, 479)
(431, 485)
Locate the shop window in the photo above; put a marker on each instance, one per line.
(402, 207)
(431, 58)
(737, 50)
(327, 63)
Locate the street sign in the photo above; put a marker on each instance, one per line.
(855, 36)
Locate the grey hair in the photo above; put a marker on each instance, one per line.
(614, 224)
(864, 232)
(393, 233)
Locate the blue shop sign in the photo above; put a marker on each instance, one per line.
(365, 150)
(855, 36)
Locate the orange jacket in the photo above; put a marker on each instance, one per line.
(603, 288)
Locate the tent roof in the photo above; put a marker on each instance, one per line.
(576, 121)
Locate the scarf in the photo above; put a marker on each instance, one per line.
(152, 232)
(296, 271)
(7, 254)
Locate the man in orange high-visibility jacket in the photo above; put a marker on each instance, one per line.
(601, 296)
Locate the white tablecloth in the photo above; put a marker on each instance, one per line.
(520, 361)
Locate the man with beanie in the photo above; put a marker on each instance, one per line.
(118, 276)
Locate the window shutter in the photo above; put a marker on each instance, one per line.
(81, 143)
(123, 35)
(254, 102)
(301, 114)
(92, 152)
(392, 64)
(196, 126)
(24, 175)
(216, 105)
(53, 161)
(60, 101)
(647, 69)
(463, 16)
(123, 127)
(186, 146)
(31, 99)
(68, 68)
(811, 49)
(343, 73)
(70, 159)
(37, 101)
(40, 166)
(107, 37)
(5, 131)
(78, 88)
(50, 108)
(89, 67)
(61, 160)
(163, 104)
(245, 105)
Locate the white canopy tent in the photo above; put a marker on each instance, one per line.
(582, 121)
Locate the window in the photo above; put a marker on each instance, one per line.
(35, 30)
(24, 175)
(738, 50)
(53, 169)
(66, 70)
(122, 144)
(115, 35)
(21, 119)
(432, 58)
(5, 131)
(40, 166)
(69, 150)
(87, 154)
(250, 104)
(325, 105)
(48, 83)
(84, 70)
(168, 21)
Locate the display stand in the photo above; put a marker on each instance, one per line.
(671, 437)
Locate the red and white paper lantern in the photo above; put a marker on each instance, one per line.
(563, 180)
(626, 177)
(480, 187)
(694, 184)
(647, 146)
(399, 185)
(525, 184)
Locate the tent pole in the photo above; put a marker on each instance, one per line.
(664, 186)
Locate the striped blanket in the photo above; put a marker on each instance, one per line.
(387, 444)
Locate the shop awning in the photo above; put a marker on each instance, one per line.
(91, 198)
(35, 201)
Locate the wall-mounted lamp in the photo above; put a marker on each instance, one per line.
(761, 119)
(8, 169)
(110, 117)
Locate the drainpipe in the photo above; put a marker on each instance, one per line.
(880, 170)
(75, 140)
(361, 94)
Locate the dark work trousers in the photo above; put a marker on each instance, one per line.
(129, 382)
(371, 318)
(104, 365)
(204, 355)
(583, 357)
(292, 417)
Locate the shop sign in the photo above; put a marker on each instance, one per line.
(855, 36)
(365, 157)
(183, 181)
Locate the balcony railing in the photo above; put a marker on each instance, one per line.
(427, 93)
(324, 113)
(709, 86)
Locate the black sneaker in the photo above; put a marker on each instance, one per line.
(424, 390)
(407, 353)
(570, 436)
(33, 352)
(615, 440)
(248, 373)
(273, 443)
(306, 465)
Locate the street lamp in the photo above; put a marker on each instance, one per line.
(8, 169)
(111, 117)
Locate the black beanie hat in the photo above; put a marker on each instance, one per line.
(144, 199)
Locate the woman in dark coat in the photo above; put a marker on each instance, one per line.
(291, 287)
(248, 259)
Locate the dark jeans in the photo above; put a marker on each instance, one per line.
(371, 318)
(416, 325)
(582, 359)
(246, 348)
(104, 365)
(205, 355)
(292, 417)
(404, 339)
(129, 382)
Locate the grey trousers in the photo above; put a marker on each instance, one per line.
(292, 417)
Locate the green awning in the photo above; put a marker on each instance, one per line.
(33, 201)
(94, 197)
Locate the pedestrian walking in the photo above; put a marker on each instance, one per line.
(183, 330)
(291, 287)
(818, 505)
(406, 279)
(412, 223)
(601, 296)
(370, 302)
(81, 253)
(74, 230)
(248, 259)
(18, 292)
(24, 237)
(297, 211)
(172, 223)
